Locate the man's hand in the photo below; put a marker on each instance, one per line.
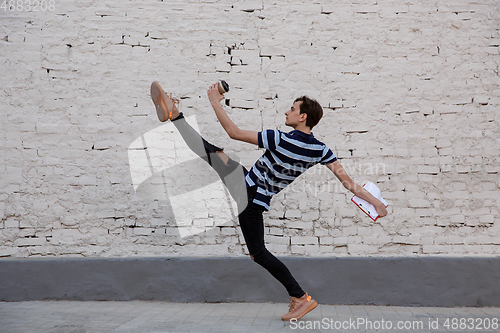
(381, 211)
(350, 185)
(229, 126)
(213, 94)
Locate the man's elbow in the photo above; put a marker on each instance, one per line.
(234, 133)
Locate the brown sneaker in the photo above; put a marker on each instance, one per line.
(164, 103)
(299, 307)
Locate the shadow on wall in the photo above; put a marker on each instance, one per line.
(162, 167)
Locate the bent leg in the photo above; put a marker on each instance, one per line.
(252, 226)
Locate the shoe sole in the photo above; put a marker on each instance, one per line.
(311, 307)
(159, 102)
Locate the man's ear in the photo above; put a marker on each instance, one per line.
(303, 117)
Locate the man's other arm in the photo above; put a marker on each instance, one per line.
(349, 184)
(229, 126)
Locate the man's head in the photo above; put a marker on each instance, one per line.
(304, 109)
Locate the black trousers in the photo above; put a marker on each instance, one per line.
(250, 215)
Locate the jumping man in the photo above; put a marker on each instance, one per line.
(286, 156)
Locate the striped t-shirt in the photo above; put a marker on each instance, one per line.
(286, 157)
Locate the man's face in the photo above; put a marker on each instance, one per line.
(293, 116)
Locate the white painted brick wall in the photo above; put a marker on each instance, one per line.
(410, 93)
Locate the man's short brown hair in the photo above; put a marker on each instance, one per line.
(312, 108)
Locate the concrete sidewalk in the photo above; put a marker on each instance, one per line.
(146, 316)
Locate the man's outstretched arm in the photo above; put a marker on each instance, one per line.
(349, 184)
(229, 126)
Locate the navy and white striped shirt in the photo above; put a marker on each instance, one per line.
(286, 157)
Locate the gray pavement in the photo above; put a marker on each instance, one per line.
(146, 316)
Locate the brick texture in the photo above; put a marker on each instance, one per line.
(410, 93)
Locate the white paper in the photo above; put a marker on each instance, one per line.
(367, 207)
